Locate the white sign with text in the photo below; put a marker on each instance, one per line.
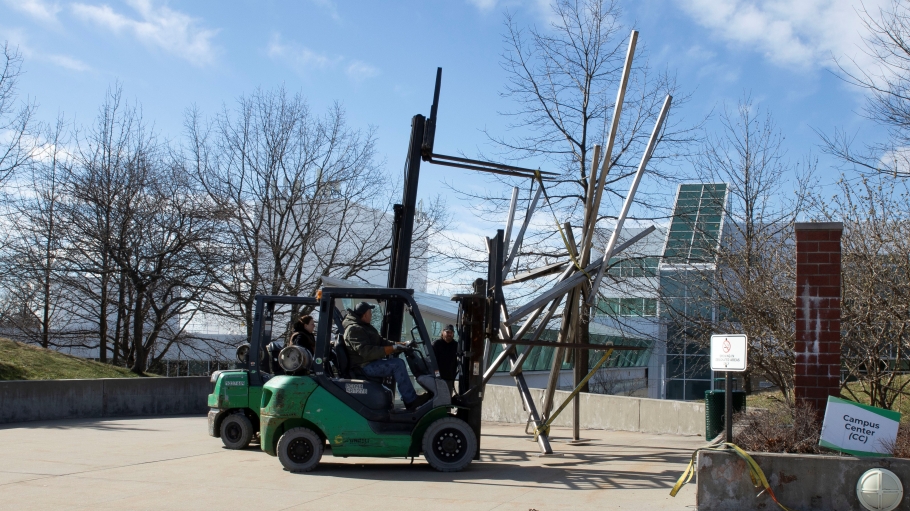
(857, 429)
(728, 352)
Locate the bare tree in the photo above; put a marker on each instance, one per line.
(562, 83)
(33, 258)
(298, 195)
(139, 231)
(886, 80)
(875, 320)
(15, 117)
(750, 274)
(98, 193)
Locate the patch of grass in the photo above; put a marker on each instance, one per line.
(767, 399)
(20, 361)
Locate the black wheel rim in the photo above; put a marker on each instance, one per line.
(300, 450)
(233, 432)
(450, 445)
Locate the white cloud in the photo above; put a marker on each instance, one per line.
(801, 34)
(159, 26)
(359, 71)
(484, 5)
(37, 9)
(330, 7)
(19, 39)
(307, 60)
(300, 55)
(67, 62)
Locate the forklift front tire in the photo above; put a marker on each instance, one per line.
(300, 449)
(236, 431)
(449, 444)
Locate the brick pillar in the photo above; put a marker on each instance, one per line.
(818, 296)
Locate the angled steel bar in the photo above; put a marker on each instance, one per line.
(566, 285)
(537, 333)
(652, 143)
(543, 271)
(497, 362)
(611, 139)
(589, 204)
(573, 345)
(499, 312)
(511, 218)
(521, 232)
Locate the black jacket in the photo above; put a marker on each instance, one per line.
(365, 342)
(304, 339)
(446, 357)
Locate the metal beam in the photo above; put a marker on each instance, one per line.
(570, 283)
(511, 219)
(521, 232)
(652, 143)
(537, 333)
(587, 346)
(611, 139)
(543, 271)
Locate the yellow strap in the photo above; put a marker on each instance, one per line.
(565, 239)
(544, 429)
(755, 472)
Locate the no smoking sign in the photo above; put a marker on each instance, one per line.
(728, 352)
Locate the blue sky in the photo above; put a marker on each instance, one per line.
(379, 59)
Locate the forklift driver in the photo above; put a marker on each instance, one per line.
(370, 351)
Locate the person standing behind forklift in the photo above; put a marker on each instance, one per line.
(303, 334)
(446, 350)
(369, 351)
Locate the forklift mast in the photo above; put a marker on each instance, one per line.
(423, 133)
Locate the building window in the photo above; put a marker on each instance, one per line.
(627, 307)
(634, 267)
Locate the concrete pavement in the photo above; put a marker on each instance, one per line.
(170, 463)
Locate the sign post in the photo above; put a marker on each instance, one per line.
(728, 354)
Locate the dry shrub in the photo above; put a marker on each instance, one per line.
(900, 448)
(780, 428)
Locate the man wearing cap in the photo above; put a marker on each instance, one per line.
(370, 351)
(446, 350)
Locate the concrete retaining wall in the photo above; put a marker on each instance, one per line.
(22, 401)
(800, 482)
(503, 404)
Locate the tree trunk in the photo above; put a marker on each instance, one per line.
(102, 313)
(138, 347)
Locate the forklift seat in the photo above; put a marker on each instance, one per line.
(345, 369)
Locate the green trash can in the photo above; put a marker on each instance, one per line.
(715, 401)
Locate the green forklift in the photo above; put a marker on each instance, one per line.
(327, 401)
(235, 401)
(310, 401)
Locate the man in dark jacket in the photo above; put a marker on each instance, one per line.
(446, 350)
(370, 351)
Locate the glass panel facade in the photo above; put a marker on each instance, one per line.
(541, 358)
(695, 229)
(634, 267)
(626, 307)
(686, 297)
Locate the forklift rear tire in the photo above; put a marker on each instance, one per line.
(300, 449)
(236, 431)
(449, 444)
